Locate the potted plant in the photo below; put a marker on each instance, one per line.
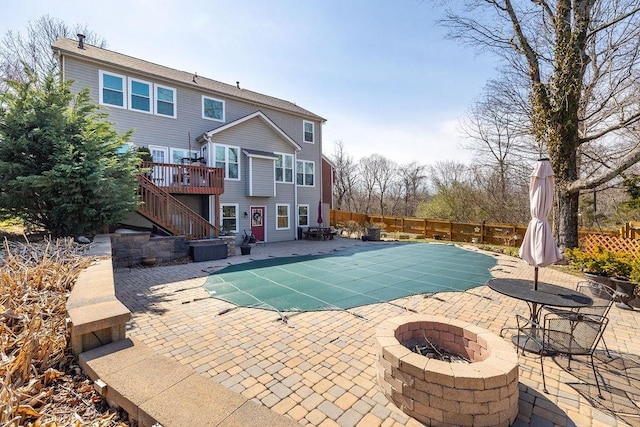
(621, 268)
(245, 247)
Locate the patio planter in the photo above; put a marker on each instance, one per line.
(245, 250)
(625, 291)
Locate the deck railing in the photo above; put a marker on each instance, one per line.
(168, 212)
(186, 179)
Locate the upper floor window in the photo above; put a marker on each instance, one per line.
(165, 101)
(227, 158)
(212, 109)
(308, 129)
(303, 215)
(305, 173)
(229, 217)
(284, 168)
(112, 89)
(139, 95)
(282, 216)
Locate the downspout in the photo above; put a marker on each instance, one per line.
(295, 195)
(214, 204)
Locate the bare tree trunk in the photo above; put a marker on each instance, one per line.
(565, 218)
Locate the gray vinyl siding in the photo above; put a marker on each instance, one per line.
(159, 130)
(253, 134)
(196, 203)
(261, 173)
(257, 135)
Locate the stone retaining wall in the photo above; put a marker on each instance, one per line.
(96, 316)
(129, 248)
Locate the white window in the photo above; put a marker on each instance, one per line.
(305, 173)
(112, 89)
(303, 215)
(228, 158)
(165, 104)
(140, 95)
(212, 109)
(282, 217)
(284, 168)
(229, 217)
(308, 132)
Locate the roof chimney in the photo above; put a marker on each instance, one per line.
(80, 41)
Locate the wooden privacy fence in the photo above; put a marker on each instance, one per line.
(631, 230)
(483, 232)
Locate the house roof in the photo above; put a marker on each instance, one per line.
(92, 53)
(259, 153)
(258, 114)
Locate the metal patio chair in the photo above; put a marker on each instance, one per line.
(603, 298)
(570, 335)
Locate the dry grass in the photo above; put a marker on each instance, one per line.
(41, 385)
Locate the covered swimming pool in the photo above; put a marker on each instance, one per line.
(350, 277)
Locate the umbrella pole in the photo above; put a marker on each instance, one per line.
(535, 278)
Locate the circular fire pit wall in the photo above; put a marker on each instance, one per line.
(483, 392)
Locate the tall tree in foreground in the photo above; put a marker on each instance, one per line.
(62, 165)
(582, 67)
(31, 50)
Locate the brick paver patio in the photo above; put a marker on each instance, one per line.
(318, 367)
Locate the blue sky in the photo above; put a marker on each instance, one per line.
(380, 71)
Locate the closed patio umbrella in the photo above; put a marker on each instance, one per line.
(320, 220)
(539, 248)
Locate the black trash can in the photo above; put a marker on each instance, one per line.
(374, 234)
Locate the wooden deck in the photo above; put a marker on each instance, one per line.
(186, 179)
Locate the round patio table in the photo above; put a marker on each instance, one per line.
(536, 299)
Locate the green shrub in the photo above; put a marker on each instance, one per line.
(601, 261)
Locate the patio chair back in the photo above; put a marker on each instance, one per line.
(601, 294)
(572, 335)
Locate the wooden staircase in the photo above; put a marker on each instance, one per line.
(161, 208)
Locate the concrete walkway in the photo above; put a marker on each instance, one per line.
(317, 368)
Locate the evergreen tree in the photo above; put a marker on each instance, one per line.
(62, 165)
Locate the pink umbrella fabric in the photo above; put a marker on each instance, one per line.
(320, 221)
(539, 248)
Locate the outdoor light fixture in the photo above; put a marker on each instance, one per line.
(246, 214)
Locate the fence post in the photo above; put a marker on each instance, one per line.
(482, 232)
(425, 228)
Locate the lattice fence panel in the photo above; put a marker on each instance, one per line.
(611, 243)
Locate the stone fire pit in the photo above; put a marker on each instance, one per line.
(481, 393)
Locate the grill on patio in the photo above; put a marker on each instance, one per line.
(436, 392)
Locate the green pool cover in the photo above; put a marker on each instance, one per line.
(351, 277)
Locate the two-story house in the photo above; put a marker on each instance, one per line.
(237, 158)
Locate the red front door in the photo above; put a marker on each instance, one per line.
(257, 222)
